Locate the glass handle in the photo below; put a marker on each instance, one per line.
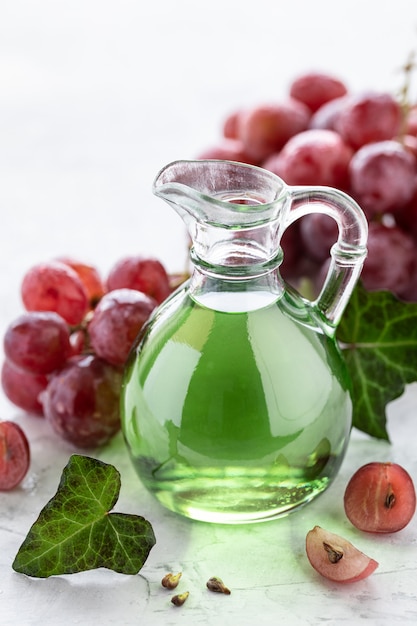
(347, 254)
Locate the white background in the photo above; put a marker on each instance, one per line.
(95, 97)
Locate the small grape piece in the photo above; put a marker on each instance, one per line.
(368, 118)
(391, 260)
(337, 559)
(380, 498)
(23, 389)
(38, 342)
(383, 177)
(14, 455)
(143, 274)
(313, 157)
(314, 89)
(265, 129)
(116, 322)
(89, 276)
(54, 286)
(81, 401)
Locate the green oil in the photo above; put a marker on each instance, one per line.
(235, 417)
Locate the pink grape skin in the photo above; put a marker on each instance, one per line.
(382, 177)
(89, 276)
(391, 260)
(141, 273)
(326, 116)
(313, 157)
(227, 150)
(368, 118)
(318, 233)
(116, 322)
(38, 342)
(316, 88)
(81, 401)
(231, 125)
(23, 389)
(265, 129)
(53, 286)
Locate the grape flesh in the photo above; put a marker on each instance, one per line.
(14, 455)
(81, 401)
(318, 233)
(116, 322)
(38, 342)
(143, 274)
(54, 286)
(23, 389)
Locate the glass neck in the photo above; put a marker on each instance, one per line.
(235, 293)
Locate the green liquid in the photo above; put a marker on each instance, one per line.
(235, 417)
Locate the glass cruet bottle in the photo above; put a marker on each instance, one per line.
(235, 401)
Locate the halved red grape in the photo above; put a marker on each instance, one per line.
(81, 401)
(54, 286)
(38, 342)
(336, 558)
(23, 389)
(116, 322)
(14, 455)
(144, 274)
(380, 498)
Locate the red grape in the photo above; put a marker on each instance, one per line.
(23, 389)
(383, 177)
(264, 129)
(227, 150)
(230, 125)
(369, 117)
(89, 277)
(391, 259)
(313, 157)
(116, 322)
(316, 88)
(380, 498)
(318, 233)
(14, 455)
(81, 401)
(326, 116)
(38, 342)
(54, 286)
(140, 273)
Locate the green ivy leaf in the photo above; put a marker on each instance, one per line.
(378, 337)
(75, 531)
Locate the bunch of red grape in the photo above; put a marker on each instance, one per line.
(362, 143)
(65, 354)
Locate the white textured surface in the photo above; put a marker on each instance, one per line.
(94, 98)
